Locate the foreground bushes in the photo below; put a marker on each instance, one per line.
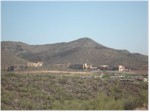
(59, 92)
(101, 102)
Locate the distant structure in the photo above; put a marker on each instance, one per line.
(121, 68)
(32, 64)
(89, 67)
(104, 67)
(93, 67)
(145, 79)
(85, 66)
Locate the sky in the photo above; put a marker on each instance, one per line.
(118, 25)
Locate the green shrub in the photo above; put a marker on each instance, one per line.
(65, 92)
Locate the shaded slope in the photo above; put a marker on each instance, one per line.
(9, 59)
(83, 50)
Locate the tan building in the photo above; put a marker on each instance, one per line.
(85, 66)
(104, 66)
(121, 68)
(32, 64)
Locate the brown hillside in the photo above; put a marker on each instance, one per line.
(83, 50)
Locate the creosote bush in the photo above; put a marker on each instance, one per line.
(65, 92)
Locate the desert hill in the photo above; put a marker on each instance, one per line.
(84, 50)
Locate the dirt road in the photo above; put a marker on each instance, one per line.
(46, 71)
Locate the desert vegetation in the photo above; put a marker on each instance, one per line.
(70, 92)
(83, 50)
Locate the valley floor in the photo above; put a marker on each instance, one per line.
(72, 91)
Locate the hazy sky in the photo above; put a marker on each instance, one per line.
(119, 25)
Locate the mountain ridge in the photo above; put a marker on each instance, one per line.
(83, 50)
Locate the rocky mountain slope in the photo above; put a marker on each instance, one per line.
(84, 50)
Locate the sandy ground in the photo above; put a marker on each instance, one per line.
(75, 72)
(46, 71)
